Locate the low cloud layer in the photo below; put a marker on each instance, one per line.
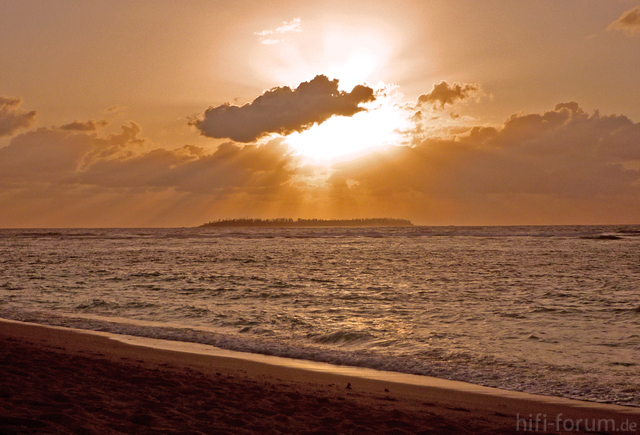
(444, 93)
(628, 22)
(564, 152)
(89, 125)
(12, 118)
(560, 166)
(55, 177)
(283, 110)
(52, 156)
(535, 162)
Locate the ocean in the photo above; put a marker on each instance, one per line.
(551, 310)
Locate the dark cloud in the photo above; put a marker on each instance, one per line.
(52, 177)
(628, 21)
(67, 157)
(283, 110)
(52, 155)
(561, 153)
(115, 109)
(444, 93)
(12, 118)
(90, 125)
(10, 101)
(230, 168)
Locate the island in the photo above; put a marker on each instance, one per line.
(288, 222)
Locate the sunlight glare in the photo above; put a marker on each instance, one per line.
(354, 71)
(353, 55)
(341, 137)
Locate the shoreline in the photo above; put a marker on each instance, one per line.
(395, 399)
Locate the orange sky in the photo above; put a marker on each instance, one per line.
(174, 113)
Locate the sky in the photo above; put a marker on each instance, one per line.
(120, 113)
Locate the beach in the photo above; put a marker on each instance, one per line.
(59, 380)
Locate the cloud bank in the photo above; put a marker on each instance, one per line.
(89, 125)
(563, 152)
(628, 22)
(559, 166)
(12, 118)
(53, 155)
(70, 157)
(283, 110)
(444, 93)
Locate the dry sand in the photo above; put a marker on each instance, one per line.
(59, 381)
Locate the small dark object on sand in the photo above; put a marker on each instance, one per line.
(348, 385)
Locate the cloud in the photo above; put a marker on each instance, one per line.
(12, 118)
(229, 169)
(628, 22)
(283, 110)
(70, 157)
(51, 155)
(10, 101)
(115, 109)
(551, 159)
(267, 36)
(90, 125)
(444, 93)
(54, 177)
(562, 165)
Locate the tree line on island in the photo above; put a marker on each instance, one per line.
(288, 222)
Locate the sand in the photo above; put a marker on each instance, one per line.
(63, 381)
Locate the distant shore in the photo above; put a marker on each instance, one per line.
(287, 222)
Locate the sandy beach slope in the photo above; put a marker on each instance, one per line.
(62, 381)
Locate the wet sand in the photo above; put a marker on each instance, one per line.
(63, 381)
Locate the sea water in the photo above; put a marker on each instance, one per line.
(549, 310)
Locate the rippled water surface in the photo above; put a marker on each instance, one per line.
(552, 310)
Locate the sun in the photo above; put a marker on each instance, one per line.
(381, 124)
(354, 71)
(353, 53)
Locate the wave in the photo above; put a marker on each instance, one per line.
(602, 237)
(342, 337)
(479, 369)
(595, 232)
